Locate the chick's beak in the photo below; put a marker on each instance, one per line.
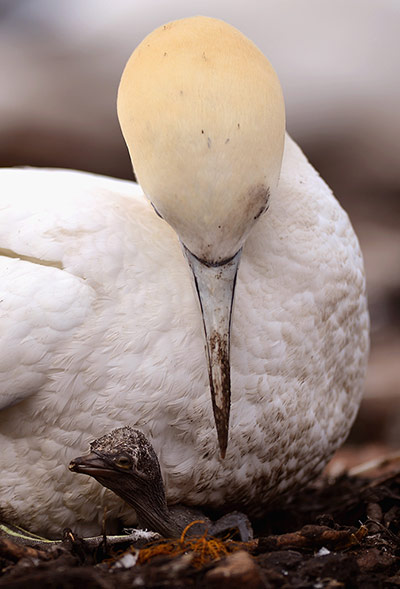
(215, 285)
(91, 464)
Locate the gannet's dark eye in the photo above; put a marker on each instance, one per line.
(123, 461)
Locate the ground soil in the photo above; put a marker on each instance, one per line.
(338, 533)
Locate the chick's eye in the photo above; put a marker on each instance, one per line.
(123, 462)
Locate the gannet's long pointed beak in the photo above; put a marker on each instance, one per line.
(215, 285)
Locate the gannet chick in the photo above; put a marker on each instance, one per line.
(125, 462)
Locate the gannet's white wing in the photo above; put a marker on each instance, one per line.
(55, 243)
(39, 308)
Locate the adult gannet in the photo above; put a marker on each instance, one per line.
(101, 325)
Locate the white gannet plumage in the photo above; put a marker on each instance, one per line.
(100, 327)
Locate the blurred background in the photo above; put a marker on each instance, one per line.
(338, 61)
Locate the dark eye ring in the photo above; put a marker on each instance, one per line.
(123, 462)
(157, 213)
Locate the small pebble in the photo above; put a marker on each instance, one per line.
(236, 571)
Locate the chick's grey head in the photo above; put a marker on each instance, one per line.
(125, 462)
(128, 450)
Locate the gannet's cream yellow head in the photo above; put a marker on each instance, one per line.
(202, 113)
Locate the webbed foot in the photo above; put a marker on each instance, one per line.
(231, 521)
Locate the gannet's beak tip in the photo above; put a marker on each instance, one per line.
(222, 450)
(221, 418)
